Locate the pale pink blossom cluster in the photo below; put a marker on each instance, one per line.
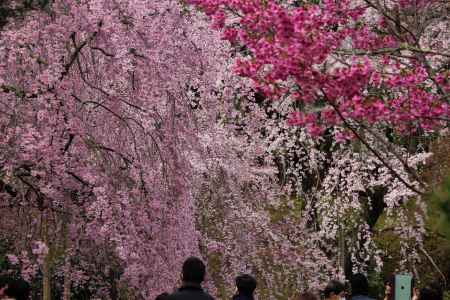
(338, 184)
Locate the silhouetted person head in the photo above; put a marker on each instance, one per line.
(334, 290)
(194, 270)
(307, 296)
(18, 289)
(359, 284)
(163, 296)
(246, 284)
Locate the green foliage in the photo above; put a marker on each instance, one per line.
(436, 240)
(288, 208)
(439, 214)
(376, 284)
(214, 263)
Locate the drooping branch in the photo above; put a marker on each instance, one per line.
(371, 149)
(8, 189)
(102, 51)
(77, 50)
(69, 142)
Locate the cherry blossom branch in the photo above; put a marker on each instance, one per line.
(102, 51)
(69, 142)
(88, 83)
(78, 178)
(39, 195)
(124, 158)
(124, 120)
(394, 152)
(416, 42)
(370, 148)
(389, 17)
(78, 48)
(391, 50)
(434, 265)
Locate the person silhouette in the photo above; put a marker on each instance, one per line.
(245, 285)
(193, 274)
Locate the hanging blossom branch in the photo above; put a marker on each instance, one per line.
(375, 152)
(99, 111)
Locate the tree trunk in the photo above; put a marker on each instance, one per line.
(46, 281)
(67, 279)
(68, 253)
(46, 289)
